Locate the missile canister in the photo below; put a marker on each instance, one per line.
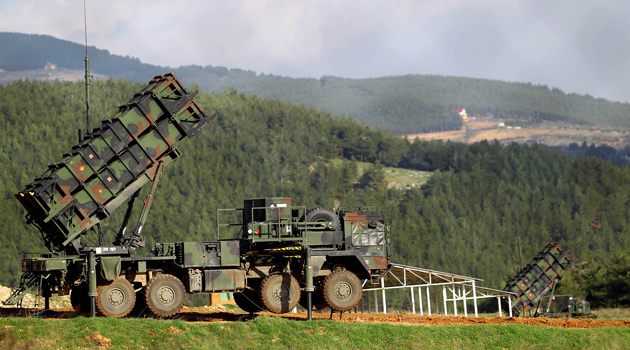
(114, 161)
(537, 278)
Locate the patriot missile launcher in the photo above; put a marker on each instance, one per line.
(561, 306)
(281, 250)
(534, 281)
(105, 170)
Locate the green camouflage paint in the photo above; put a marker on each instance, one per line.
(91, 180)
(207, 254)
(224, 280)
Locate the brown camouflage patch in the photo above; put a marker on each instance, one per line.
(380, 261)
(78, 168)
(168, 141)
(158, 152)
(67, 198)
(149, 116)
(353, 217)
(140, 129)
(150, 172)
(287, 202)
(96, 192)
(85, 222)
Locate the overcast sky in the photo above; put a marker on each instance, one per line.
(580, 46)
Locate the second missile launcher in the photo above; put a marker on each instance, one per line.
(533, 282)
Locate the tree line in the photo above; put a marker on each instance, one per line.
(407, 104)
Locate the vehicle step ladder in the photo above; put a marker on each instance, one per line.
(28, 282)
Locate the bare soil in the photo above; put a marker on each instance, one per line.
(207, 315)
(551, 134)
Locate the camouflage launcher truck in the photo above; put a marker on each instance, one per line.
(280, 250)
(561, 306)
(286, 248)
(533, 282)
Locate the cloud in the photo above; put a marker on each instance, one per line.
(578, 46)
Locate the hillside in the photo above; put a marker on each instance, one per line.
(409, 104)
(466, 219)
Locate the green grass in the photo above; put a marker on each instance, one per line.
(612, 314)
(405, 178)
(278, 333)
(602, 314)
(396, 177)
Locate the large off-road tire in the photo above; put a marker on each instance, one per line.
(321, 214)
(116, 299)
(165, 295)
(316, 299)
(279, 293)
(79, 300)
(342, 290)
(248, 300)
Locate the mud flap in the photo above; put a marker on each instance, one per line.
(110, 267)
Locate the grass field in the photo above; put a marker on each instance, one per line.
(278, 333)
(395, 177)
(399, 177)
(612, 314)
(602, 314)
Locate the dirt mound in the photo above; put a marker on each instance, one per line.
(410, 319)
(464, 321)
(99, 340)
(29, 300)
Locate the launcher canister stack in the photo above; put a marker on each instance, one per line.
(112, 164)
(537, 278)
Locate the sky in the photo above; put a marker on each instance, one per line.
(578, 46)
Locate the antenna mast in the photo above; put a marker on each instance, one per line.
(88, 126)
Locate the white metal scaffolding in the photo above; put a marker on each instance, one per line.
(456, 289)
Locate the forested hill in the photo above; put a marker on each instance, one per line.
(466, 220)
(405, 104)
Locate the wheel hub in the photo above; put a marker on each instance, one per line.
(343, 290)
(116, 297)
(281, 292)
(166, 295)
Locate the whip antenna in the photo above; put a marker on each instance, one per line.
(88, 126)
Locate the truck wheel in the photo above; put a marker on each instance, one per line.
(248, 300)
(165, 295)
(279, 293)
(342, 290)
(321, 214)
(116, 299)
(317, 301)
(80, 300)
